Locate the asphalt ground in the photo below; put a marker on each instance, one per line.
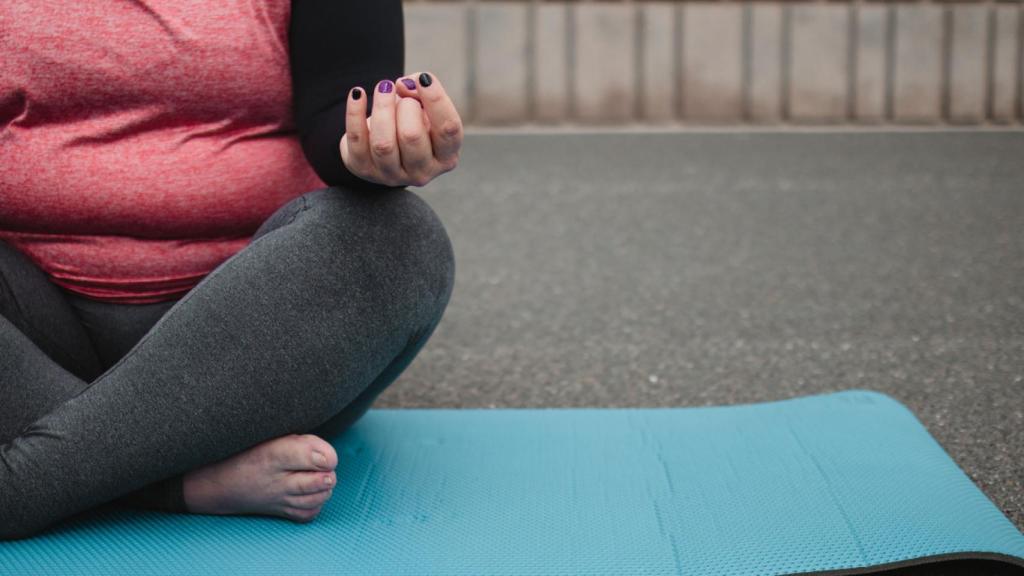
(694, 269)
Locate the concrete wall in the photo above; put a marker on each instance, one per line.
(761, 62)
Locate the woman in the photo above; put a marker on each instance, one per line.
(208, 259)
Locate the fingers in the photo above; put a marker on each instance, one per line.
(414, 142)
(406, 86)
(383, 147)
(355, 143)
(414, 134)
(445, 123)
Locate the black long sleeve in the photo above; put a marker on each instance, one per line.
(335, 45)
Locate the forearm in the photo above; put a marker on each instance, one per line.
(335, 45)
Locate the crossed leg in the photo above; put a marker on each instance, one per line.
(298, 332)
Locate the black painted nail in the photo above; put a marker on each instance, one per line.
(409, 83)
(357, 93)
(425, 80)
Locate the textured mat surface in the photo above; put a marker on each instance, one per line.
(701, 269)
(816, 484)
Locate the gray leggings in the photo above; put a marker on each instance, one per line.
(299, 332)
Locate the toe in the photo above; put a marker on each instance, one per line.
(289, 453)
(296, 452)
(301, 515)
(300, 483)
(309, 501)
(320, 447)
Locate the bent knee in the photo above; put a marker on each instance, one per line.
(395, 232)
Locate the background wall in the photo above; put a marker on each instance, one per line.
(727, 62)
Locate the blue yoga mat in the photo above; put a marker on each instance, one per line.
(817, 484)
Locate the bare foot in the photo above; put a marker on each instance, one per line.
(291, 476)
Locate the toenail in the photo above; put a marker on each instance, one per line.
(319, 459)
(328, 481)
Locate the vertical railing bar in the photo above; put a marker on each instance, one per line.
(786, 54)
(570, 57)
(531, 61)
(852, 60)
(469, 22)
(946, 96)
(890, 62)
(680, 88)
(990, 62)
(746, 64)
(639, 59)
(1019, 69)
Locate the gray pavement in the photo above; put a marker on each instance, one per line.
(692, 269)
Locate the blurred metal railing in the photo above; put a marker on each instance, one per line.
(774, 62)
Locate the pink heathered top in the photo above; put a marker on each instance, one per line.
(142, 143)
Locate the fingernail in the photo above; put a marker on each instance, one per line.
(409, 83)
(385, 86)
(425, 80)
(357, 93)
(319, 458)
(327, 481)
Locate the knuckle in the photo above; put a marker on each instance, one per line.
(435, 96)
(451, 128)
(451, 163)
(383, 148)
(411, 136)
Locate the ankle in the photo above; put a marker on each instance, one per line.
(199, 495)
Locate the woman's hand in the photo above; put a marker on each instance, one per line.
(413, 135)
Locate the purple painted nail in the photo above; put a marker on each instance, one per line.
(409, 83)
(385, 86)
